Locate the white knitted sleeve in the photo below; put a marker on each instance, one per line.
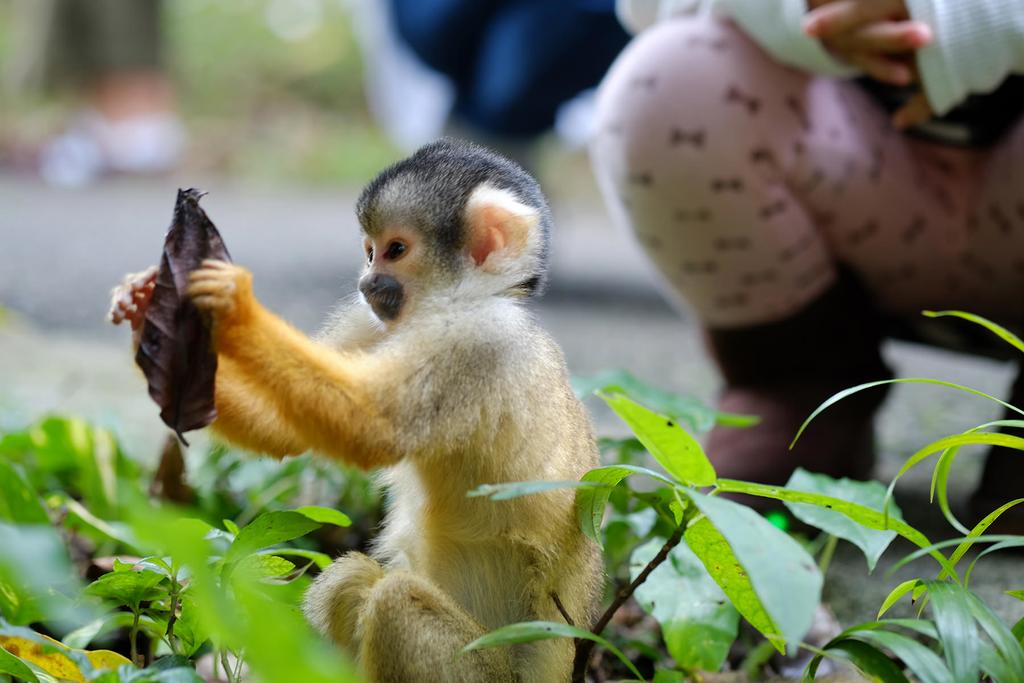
(977, 44)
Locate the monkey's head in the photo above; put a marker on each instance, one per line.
(453, 220)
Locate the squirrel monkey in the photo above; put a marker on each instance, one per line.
(439, 375)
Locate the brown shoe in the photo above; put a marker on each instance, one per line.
(782, 371)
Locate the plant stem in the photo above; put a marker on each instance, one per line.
(826, 554)
(561, 609)
(585, 648)
(175, 587)
(226, 663)
(753, 664)
(133, 635)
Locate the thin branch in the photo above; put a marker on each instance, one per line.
(561, 609)
(586, 647)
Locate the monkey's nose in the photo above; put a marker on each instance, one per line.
(377, 284)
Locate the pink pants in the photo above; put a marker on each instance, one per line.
(748, 182)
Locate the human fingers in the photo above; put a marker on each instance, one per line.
(882, 68)
(841, 16)
(883, 37)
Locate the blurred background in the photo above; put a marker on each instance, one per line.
(281, 110)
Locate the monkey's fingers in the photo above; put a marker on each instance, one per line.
(130, 299)
(217, 264)
(212, 290)
(215, 304)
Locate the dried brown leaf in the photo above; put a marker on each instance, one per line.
(175, 351)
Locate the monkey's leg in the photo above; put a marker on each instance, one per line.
(400, 626)
(411, 630)
(335, 600)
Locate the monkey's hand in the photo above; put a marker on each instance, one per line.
(224, 291)
(130, 299)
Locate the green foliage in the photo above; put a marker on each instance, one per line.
(532, 631)
(697, 414)
(869, 494)
(735, 562)
(697, 622)
(192, 589)
(222, 577)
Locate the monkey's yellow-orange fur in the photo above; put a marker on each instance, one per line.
(448, 398)
(439, 377)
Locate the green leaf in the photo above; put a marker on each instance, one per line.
(996, 668)
(87, 459)
(979, 529)
(769, 577)
(1006, 542)
(940, 476)
(230, 526)
(1008, 647)
(532, 631)
(189, 629)
(517, 489)
(1018, 630)
(263, 567)
(839, 396)
(666, 441)
(940, 485)
(1019, 594)
(270, 528)
(869, 494)
(897, 593)
(180, 673)
(697, 622)
(869, 659)
(129, 587)
(35, 575)
(945, 443)
(9, 664)
(591, 501)
(324, 515)
(321, 560)
(669, 676)
(18, 501)
(694, 412)
(860, 514)
(998, 330)
(79, 519)
(926, 666)
(957, 631)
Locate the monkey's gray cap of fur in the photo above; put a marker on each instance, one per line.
(429, 191)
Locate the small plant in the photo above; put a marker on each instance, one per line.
(215, 579)
(700, 561)
(179, 588)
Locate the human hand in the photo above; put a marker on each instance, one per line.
(878, 37)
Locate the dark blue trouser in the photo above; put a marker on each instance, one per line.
(513, 62)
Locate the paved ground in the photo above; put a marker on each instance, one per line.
(61, 251)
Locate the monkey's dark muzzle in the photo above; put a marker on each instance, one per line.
(384, 294)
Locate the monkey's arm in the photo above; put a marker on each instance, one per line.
(248, 418)
(245, 415)
(322, 397)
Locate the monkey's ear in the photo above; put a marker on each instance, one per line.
(497, 223)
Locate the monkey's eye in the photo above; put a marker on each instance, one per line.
(395, 251)
(369, 254)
